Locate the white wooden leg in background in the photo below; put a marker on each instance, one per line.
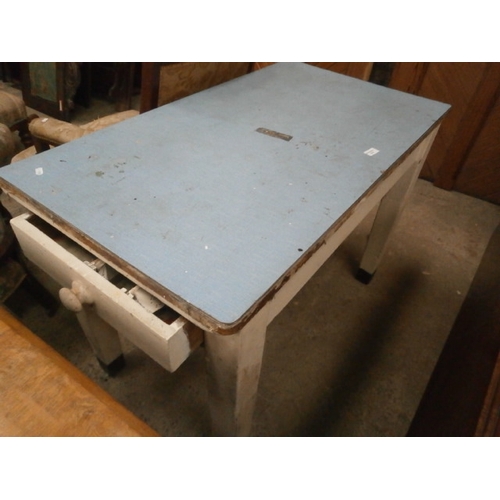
(389, 211)
(233, 365)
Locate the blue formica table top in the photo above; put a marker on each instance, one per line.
(215, 197)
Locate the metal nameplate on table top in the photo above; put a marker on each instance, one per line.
(273, 133)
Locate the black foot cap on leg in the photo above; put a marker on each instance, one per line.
(114, 367)
(364, 276)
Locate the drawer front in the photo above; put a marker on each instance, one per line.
(168, 343)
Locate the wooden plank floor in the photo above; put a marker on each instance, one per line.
(42, 394)
(489, 421)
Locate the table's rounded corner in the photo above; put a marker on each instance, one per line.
(230, 327)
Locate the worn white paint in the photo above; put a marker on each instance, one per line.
(392, 205)
(167, 344)
(233, 364)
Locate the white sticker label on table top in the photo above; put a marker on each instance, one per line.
(371, 151)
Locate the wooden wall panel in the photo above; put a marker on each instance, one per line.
(360, 70)
(456, 161)
(259, 65)
(472, 122)
(480, 174)
(408, 77)
(453, 83)
(456, 84)
(178, 80)
(166, 82)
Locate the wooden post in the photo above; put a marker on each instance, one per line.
(150, 86)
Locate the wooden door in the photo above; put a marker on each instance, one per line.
(480, 173)
(466, 153)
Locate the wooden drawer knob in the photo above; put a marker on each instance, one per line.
(74, 298)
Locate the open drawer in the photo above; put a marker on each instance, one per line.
(88, 282)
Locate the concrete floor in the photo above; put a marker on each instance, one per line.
(343, 359)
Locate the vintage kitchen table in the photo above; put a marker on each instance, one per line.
(217, 209)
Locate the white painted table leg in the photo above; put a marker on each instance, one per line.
(103, 338)
(233, 365)
(389, 211)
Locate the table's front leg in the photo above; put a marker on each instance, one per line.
(233, 365)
